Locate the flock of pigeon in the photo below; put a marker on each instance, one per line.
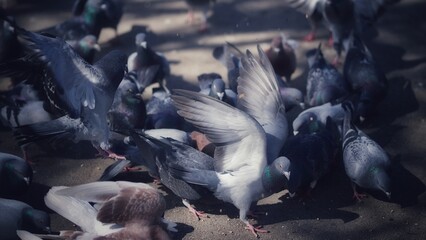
(234, 143)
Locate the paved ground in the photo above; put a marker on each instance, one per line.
(331, 213)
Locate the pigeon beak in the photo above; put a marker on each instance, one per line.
(361, 119)
(138, 95)
(295, 133)
(143, 44)
(97, 47)
(291, 194)
(11, 28)
(276, 49)
(302, 105)
(27, 180)
(47, 229)
(287, 175)
(220, 95)
(104, 6)
(388, 194)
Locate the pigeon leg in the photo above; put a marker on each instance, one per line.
(197, 214)
(204, 25)
(255, 214)
(310, 37)
(357, 195)
(336, 61)
(109, 154)
(255, 230)
(330, 41)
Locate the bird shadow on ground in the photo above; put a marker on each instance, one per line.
(399, 101)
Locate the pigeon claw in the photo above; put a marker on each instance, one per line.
(359, 196)
(255, 230)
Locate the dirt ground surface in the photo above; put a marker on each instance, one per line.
(399, 46)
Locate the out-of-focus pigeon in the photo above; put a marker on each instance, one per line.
(230, 56)
(213, 85)
(82, 91)
(311, 156)
(15, 175)
(342, 17)
(282, 56)
(319, 114)
(145, 57)
(366, 163)
(9, 45)
(324, 83)
(108, 12)
(365, 77)
(18, 215)
(199, 5)
(86, 47)
(241, 175)
(123, 210)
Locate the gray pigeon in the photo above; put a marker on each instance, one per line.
(82, 91)
(365, 78)
(146, 57)
(123, 210)
(213, 85)
(245, 138)
(324, 82)
(366, 163)
(18, 215)
(319, 114)
(15, 175)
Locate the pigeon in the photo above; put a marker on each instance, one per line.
(319, 114)
(200, 5)
(86, 47)
(366, 163)
(311, 155)
(112, 11)
(15, 175)
(324, 82)
(128, 109)
(281, 54)
(213, 85)
(123, 210)
(365, 77)
(18, 215)
(145, 57)
(241, 176)
(73, 87)
(230, 56)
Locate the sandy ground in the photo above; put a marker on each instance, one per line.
(331, 213)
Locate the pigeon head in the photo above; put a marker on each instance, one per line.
(140, 39)
(276, 43)
(35, 221)
(18, 174)
(307, 122)
(217, 89)
(89, 43)
(382, 181)
(275, 175)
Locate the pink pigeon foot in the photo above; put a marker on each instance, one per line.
(198, 214)
(190, 19)
(359, 196)
(255, 230)
(330, 41)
